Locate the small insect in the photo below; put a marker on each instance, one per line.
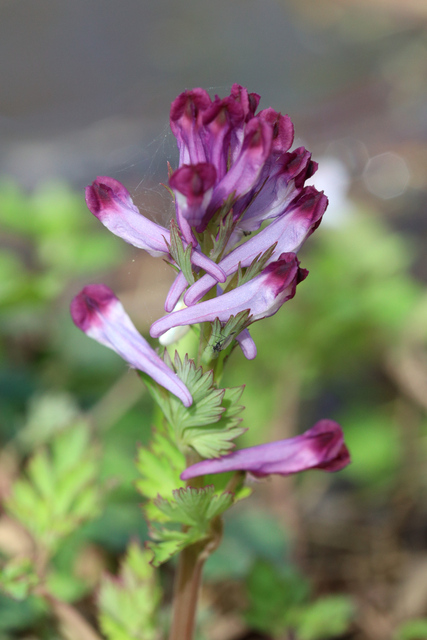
(221, 343)
(218, 346)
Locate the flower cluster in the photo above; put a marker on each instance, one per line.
(242, 213)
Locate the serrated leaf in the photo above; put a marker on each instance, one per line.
(217, 439)
(128, 603)
(210, 425)
(256, 266)
(60, 488)
(195, 509)
(206, 407)
(181, 256)
(18, 578)
(164, 548)
(160, 466)
(220, 239)
(211, 442)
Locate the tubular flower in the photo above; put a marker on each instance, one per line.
(287, 232)
(111, 203)
(242, 147)
(321, 447)
(99, 314)
(236, 176)
(193, 186)
(234, 165)
(263, 296)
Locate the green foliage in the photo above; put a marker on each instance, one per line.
(374, 466)
(195, 509)
(60, 490)
(256, 266)
(54, 227)
(211, 423)
(181, 256)
(249, 535)
(48, 413)
(128, 603)
(220, 227)
(160, 466)
(18, 615)
(279, 601)
(274, 597)
(222, 337)
(412, 630)
(218, 240)
(326, 618)
(18, 578)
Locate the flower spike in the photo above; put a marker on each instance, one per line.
(321, 447)
(99, 314)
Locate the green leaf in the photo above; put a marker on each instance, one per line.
(274, 595)
(160, 466)
(412, 630)
(220, 238)
(18, 578)
(60, 489)
(217, 439)
(128, 603)
(181, 256)
(256, 266)
(167, 543)
(193, 508)
(326, 618)
(211, 424)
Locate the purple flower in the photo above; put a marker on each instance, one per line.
(263, 296)
(97, 312)
(111, 203)
(193, 186)
(244, 148)
(211, 130)
(321, 447)
(283, 130)
(288, 232)
(282, 183)
(186, 121)
(243, 174)
(247, 344)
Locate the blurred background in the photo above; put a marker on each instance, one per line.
(85, 91)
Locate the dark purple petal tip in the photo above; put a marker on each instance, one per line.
(188, 104)
(193, 180)
(103, 193)
(86, 305)
(283, 129)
